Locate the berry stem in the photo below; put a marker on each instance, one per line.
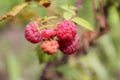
(41, 27)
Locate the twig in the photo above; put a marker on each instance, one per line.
(43, 76)
(95, 11)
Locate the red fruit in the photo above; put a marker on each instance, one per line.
(47, 33)
(69, 47)
(32, 34)
(66, 30)
(49, 46)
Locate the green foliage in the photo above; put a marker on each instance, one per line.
(83, 23)
(44, 57)
(113, 16)
(86, 11)
(17, 9)
(13, 67)
(67, 15)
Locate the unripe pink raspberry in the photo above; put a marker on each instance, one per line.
(32, 34)
(49, 46)
(66, 30)
(69, 47)
(47, 33)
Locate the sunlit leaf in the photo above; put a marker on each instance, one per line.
(65, 7)
(72, 8)
(68, 8)
(86, 11)
(67, 15)
(83, 23)
(13, 12)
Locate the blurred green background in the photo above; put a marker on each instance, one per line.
(18, 59)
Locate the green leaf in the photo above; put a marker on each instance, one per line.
(15, 10)
(86, 11)
(12, 67)
(72, 7)
(83, 23)
(42, 56)
(65, 7)
(67, 15)
(68, 8)
(113, 16)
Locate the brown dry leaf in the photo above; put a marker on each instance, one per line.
(13, 12)
(45, 3)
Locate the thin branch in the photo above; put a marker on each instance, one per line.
(45, 70)
(95, 11)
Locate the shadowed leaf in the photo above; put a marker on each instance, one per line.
(13, 12)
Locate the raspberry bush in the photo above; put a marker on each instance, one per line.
(57, 32)
(62, 42)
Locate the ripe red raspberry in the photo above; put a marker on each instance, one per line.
(66, 30)
(49, 46)
(47, 33)
(69, 47)
(32, 34)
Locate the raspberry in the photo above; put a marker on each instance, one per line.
(66, 30)
(32, 34)
(69, 47)
(49, 46)
(47, 33)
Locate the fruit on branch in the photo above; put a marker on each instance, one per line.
(63, 37)
(32, 34)
(69, 46)
(47, 33)
(49, 46)
(66, 30)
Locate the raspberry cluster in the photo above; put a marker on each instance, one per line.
(64, 37)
